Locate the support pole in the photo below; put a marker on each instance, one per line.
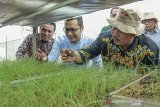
(6, 48)
(35, 31)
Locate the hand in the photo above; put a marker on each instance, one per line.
(68, 55)
(39, 55)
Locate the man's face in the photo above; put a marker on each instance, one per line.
(47, 31)
(150, 24)
(73, 30)
(122, 39)
(114, 13)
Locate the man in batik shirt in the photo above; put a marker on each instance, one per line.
(123, 45)
(44, 42)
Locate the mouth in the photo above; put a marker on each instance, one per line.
(116, 40)
(45, 38)
(70, 37)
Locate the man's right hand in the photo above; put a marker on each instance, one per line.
(68, 55)
(41, 56)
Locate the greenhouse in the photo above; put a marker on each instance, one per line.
(33, 83)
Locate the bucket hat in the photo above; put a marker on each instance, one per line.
(149, 15)
(127, 21)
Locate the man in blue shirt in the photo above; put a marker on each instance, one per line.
(151, 27)
(73, 39)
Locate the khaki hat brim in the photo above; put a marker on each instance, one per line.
(126, 28)
(150, 18)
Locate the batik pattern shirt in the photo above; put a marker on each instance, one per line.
(25, 49)
(143, 50)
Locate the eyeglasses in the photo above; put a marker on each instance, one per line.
(72, 30)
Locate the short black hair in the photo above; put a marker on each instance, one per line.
(54, 25)
(79, 20)
(113, 9)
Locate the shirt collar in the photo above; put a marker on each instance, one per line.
(147, 32)
(134, 44)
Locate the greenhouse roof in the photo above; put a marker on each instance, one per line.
(36, 12)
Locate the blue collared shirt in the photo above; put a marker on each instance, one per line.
(155, 36)
(62, 42)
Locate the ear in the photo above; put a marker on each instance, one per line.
(82, 28)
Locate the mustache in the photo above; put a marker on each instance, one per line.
(115, 38)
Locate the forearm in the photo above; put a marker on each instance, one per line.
(78, 58)
(54, 55)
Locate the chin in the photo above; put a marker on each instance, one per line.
(73, 41)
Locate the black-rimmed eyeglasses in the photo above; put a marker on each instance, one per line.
(72, 30)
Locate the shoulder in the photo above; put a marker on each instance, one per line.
(158, 30)
(106, 28)
(61, 39)
(28, 38)
(103, 38)
(105, 35)
(86, 38)
(145, 40)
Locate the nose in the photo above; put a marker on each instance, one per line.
(146, 23)
(46, 33)
(114, 31)
(69, 32)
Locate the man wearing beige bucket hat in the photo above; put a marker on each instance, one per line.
(151, 27)
(122, 45)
